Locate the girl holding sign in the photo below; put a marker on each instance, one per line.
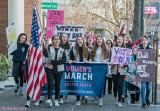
(79, 53)
(99, 54)
(19, 57)
(65, 44)
(145, 86)
(118, 74)
(54, 69)
(108, 76)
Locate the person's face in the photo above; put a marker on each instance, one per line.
(126, 40)
(90, 40)
(80, 41)
(119, 41)
(144, 41)
(56, 41)
(109, 44)
(64, 38)
(99, 41)
(22, 39)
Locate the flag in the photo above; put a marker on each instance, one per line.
(36, 76)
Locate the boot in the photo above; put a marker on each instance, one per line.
(132, 98)
(137, 96)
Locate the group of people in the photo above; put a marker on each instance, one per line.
(58, 50)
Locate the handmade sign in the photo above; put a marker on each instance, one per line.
(54, 17)
(72, 31)
(121, 55)
(12, 39)
(131, 75)
(82, 80)
(145, 59)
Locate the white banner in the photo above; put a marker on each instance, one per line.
(72, 31)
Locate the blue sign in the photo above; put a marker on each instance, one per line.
(82, 80)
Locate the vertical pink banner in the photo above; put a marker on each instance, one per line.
(54, 17)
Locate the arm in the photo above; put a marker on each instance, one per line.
(45, 53)
(137, 42)
(61, 61)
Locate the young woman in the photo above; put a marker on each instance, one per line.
(109, 77)
(118, 74)
(79, 53)
(135, 90)
(145, 86)
(99, 54)
(65, 44)
(19, 57)
(54, 68)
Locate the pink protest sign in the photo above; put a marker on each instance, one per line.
(121, 55)
(54, 17)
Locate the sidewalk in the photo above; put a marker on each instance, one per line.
(12, 101)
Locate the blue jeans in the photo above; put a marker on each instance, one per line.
(145, 86)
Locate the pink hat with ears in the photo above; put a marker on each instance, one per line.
(135, 46)
(91, 36)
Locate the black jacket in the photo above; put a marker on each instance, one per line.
(19, 55)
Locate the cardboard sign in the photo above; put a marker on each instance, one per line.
(145, 65)
(12, 39)
(54, 17)
(72, 31)
(121, 55)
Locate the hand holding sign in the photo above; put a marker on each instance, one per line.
(121, 55)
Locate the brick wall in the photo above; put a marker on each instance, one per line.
(28, 14)
(3, 26)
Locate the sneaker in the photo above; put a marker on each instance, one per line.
(66, 99)
(95, 100)
(84, 100)
(61, 101)
(100, 103)
(20, 92)
(41, 100)
(36, 103)
(56, 103)
(147, 102)
(116, 101)
(27, 104)
(16, 90)
(78, 103)
(144, 106)
(123, 99)
(119, 104)
(48, 103)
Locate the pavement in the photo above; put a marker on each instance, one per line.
(9, 101)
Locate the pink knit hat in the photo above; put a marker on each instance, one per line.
(91, 36)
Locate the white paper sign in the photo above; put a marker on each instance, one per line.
(12, 39)
(72, 31)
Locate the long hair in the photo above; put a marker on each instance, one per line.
(103, 46)
(67, 43)
(84, 48)
(18, 40)
(123, 45)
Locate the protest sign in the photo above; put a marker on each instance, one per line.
(121, 55)
(145, 65)
(82, 80)
(54, 17)
(72, 31)
(11, 37)
(130, 76)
